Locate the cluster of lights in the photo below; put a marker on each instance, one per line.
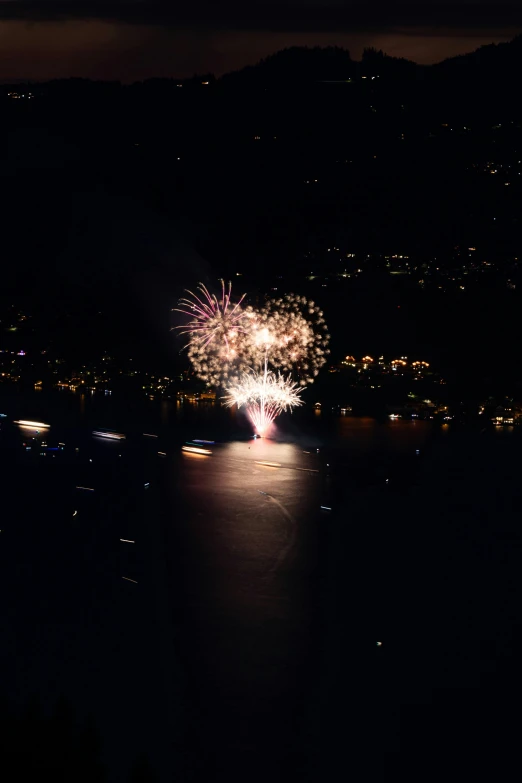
(394, 364)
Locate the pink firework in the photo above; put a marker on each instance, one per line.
(264, 395)
(211, 318)
(262, 415)
(216, 334)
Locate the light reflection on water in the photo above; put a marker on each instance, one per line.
(367, 434)
(307, 428)
(246, 540)
(248, 537)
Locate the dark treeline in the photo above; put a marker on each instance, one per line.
(309, 64)
(55, 747)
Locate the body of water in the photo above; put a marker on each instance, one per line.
(234, 631)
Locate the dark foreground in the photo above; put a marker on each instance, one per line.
(246, 645)
(431, 566)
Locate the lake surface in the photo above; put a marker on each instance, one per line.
(246, 642)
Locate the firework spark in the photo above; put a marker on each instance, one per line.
(217, 329)
(265, 395)
(292, 332)
(233, 347)
(212, 319)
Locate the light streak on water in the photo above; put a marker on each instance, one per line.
(35, 424)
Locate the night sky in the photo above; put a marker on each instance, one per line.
(130, 40)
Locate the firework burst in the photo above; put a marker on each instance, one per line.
(292, 332)
(234, 347)
(217, 330)
(265, 395)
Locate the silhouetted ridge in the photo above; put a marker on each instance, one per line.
(304, 65)
(375, 62)
(298, 64)
(488, 60)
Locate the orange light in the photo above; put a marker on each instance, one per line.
(38, 424)
(195, 450)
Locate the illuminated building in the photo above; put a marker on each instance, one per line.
(507, 414)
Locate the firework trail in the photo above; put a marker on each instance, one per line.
(265, 395)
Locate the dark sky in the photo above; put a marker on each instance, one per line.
(135, 39)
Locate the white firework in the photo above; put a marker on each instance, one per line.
(292, 333)
(217, 332)
(233, 347)
(265, 395)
